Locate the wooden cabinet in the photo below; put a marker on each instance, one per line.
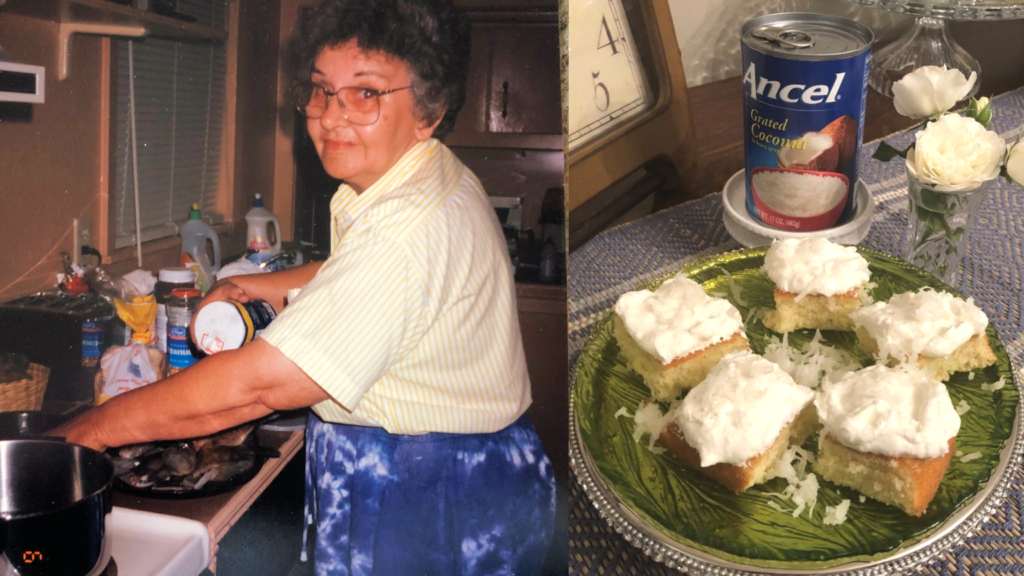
(514, 88)
(542, 320)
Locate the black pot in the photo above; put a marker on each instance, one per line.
(54, 501)
(14, 425)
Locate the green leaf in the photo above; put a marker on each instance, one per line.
(935, 201)
(885, 152)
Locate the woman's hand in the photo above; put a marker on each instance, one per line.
(224, 290)
(80, 431)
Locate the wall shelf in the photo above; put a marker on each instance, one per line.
(103, 12)
(99, 17)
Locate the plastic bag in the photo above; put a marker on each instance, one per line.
(125, 368)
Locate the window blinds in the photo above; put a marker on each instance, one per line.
(179, 108)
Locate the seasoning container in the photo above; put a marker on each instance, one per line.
(227, 325)
(96, 334)
(181, 306)
(168, 280)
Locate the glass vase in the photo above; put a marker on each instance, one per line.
(938, 226)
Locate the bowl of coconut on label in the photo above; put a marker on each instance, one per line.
(798, 199)
(750, 232)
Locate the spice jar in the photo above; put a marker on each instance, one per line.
(181, 306)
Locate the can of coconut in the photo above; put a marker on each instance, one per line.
(804, 86)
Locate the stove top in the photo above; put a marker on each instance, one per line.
(148, 544)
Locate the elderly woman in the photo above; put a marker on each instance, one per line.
(405, 341)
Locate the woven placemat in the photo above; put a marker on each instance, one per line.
(620, 259)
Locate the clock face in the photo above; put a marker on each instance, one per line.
(607, 82)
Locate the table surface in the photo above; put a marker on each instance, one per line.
(219, 513)
(620, 259)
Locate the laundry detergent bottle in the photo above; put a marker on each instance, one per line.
(195, 234)
(264, 236)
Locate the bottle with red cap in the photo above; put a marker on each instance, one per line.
(180, 308)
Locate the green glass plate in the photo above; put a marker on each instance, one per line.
(680, 506)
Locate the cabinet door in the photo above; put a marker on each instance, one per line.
(542, 320)
(525, 84)
(513, 94)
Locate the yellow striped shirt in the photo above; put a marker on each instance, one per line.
(411, 323)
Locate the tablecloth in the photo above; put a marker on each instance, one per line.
(620, 259)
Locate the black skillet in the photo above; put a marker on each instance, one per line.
(210, 488)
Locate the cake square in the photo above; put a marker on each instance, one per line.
(736, 424)
(937, 331)
(817, 284)
(674, 336)
(889, 433)
(755, 469)
(905, 482)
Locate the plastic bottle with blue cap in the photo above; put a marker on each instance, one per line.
(264, 232)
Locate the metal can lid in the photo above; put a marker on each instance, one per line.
(177, 276)
(806, 36)
(219, 326)
(186, 293)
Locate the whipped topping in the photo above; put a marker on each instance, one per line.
(890, 411)
(738, 411)
(815, 266)
(677, 319)
(925, 323)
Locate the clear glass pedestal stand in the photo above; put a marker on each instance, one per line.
(927, 43)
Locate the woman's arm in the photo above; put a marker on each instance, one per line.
(222, 391)
(272, 287)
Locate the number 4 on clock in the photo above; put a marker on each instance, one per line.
(605, 35)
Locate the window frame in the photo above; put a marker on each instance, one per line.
(228, 203)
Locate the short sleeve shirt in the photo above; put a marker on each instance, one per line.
(411, 323)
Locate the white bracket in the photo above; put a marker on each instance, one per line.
(68, 30)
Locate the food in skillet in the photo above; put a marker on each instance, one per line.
(183, 466)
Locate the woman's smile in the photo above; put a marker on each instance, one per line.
(337, 145)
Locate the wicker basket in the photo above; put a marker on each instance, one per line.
(25, 394)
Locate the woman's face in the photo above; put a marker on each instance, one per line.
(360, 155)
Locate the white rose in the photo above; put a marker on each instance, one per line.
(1015, 163)
(955, 153)
(930, 90)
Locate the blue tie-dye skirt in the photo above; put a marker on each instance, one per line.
(444, 504)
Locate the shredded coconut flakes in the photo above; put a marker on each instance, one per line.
(835, 515)
(816, 363)
(971, 456)
(734, 288)
(802, 489)
(997, 385)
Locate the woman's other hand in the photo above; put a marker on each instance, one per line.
(225, 290)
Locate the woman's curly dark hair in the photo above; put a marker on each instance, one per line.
(428, 35)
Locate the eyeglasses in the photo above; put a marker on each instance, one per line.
(359, 105)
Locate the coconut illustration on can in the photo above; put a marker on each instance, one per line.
(805, 80)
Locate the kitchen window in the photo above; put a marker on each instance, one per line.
(179, 103)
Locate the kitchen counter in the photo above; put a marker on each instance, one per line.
(219, 513)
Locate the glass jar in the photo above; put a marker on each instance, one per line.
(181, 306)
